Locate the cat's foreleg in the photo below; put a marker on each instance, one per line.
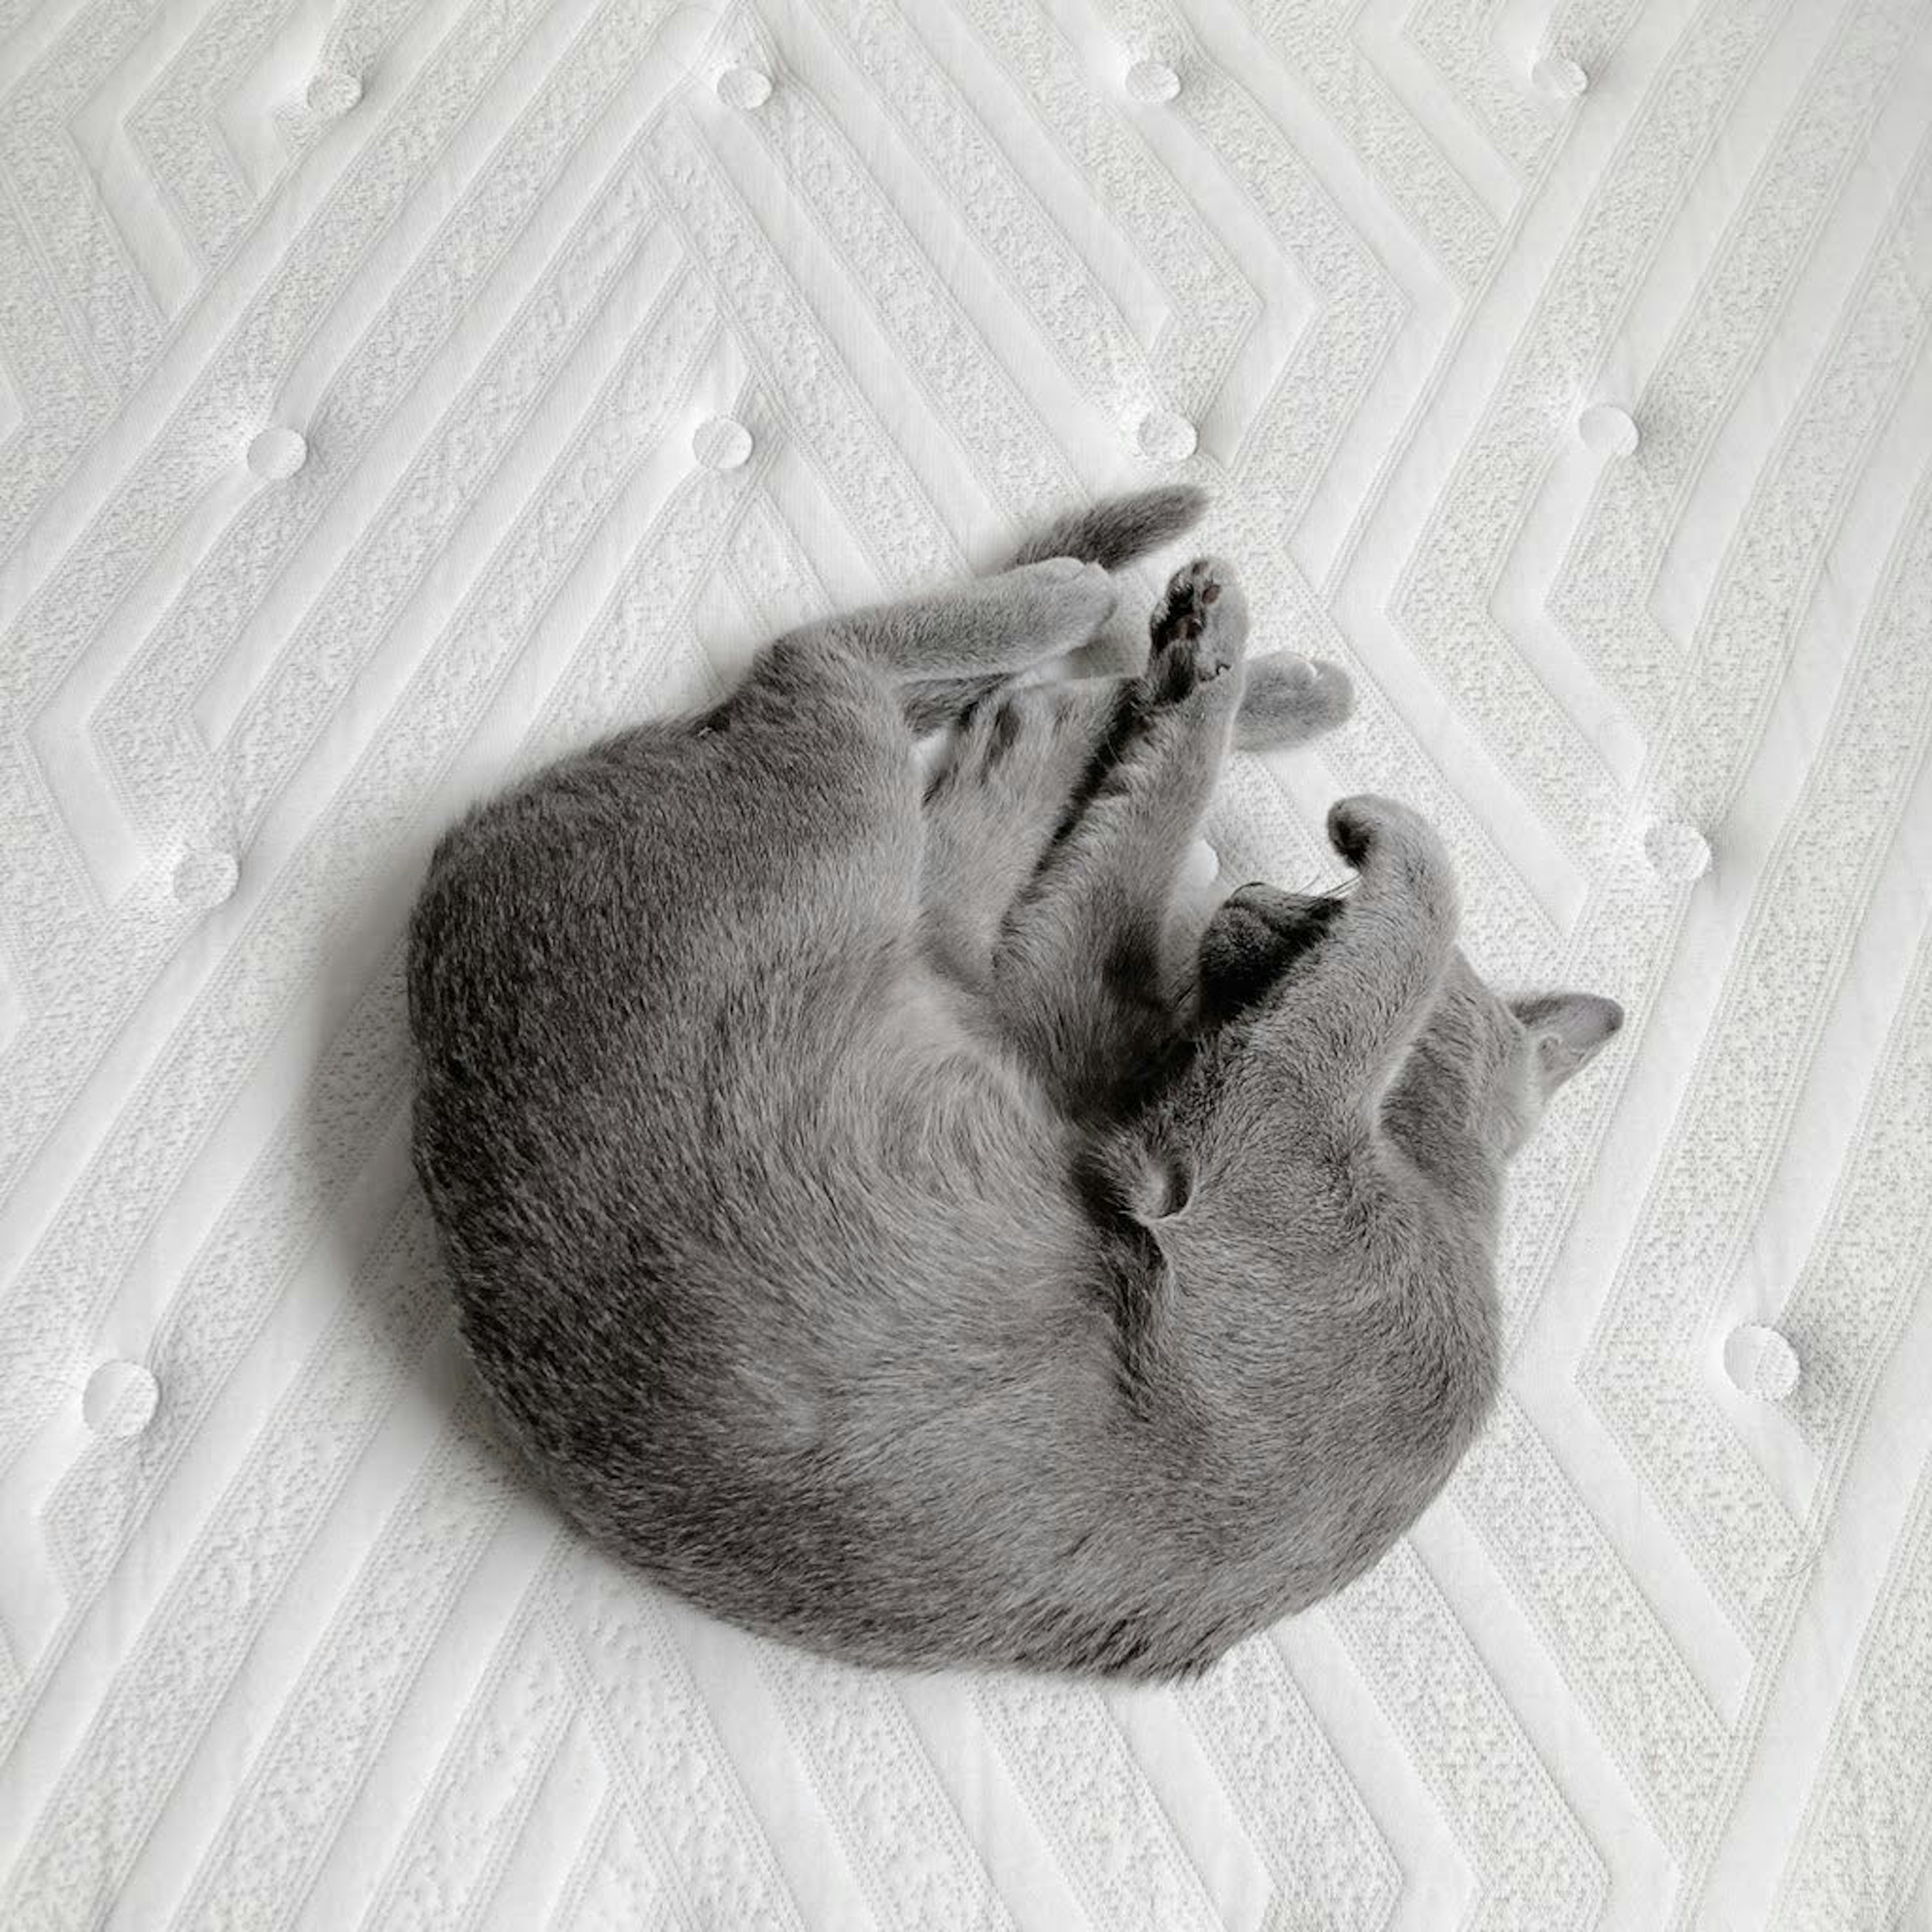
(1355, 1009)
(1091, 967)
(995, 799)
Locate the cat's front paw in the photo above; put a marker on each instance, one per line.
(1356, 826)
(1393, 842)
(1200, 628)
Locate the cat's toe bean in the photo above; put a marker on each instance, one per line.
(1204, 613)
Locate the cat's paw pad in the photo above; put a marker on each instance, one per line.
(1200, 626)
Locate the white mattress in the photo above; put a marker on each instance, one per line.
(294, 1648)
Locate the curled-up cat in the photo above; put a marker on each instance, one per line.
(884, 1218)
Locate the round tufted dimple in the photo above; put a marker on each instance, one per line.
(1760, 1362)
(277, 453)
(1607, 430)
(1166, 437)
(1557, 77)
(723, 443)
(205, 879)
(119, 1399)
(332, 93)
(744, 87)
(1677, 851)
(1153, 82)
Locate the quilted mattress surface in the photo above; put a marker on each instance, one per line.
(395, 393)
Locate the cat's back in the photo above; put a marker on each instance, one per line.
(648, 900)
(666, 1050)
(740, 1217)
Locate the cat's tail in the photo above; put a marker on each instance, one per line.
(1116, 530)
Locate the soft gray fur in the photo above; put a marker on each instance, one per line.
(885, 1220)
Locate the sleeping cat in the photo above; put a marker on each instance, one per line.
(885, 1218)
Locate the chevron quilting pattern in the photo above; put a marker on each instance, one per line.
(283, 1642)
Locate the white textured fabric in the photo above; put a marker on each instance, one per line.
(395, 391)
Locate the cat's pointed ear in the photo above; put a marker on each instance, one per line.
(1567, 1030)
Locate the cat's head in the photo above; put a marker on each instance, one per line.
(1494, 1059)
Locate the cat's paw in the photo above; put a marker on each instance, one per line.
(1357, 826)
(1395, 843)
(1200, 628)
(1287, 699)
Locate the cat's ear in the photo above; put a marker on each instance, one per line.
(1566, 1031)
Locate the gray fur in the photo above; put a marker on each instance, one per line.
(883, 1220)
(1115, 532)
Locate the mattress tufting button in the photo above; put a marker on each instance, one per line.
(1677, 851)
(205, 880)
(1166, 437)
(277, 453)
(1607, 430)
(332, 93)
(1557, 77)
(1760, 1362)
(1153, 82)
(119, 1399)
(744, 87)
(723, 443)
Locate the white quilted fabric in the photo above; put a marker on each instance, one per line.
(393, 391)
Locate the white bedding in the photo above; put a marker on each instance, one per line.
(592, 340)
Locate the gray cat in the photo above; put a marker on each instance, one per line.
(885, 1218)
